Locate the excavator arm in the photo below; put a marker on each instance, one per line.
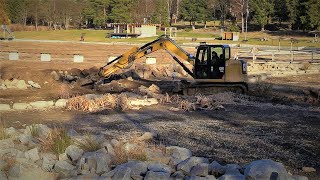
(163, 42)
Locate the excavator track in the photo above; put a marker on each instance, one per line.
(213, 88)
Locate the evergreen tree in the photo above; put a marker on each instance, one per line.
(262, 11)
(160, 15)
(292, 10)
(313, 12)
(193, 10)
(120, 11)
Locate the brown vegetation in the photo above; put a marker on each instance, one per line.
(57, 141)
(108, 101)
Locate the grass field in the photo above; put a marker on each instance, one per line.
(99, 36)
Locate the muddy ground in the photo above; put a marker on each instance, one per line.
(278, 119)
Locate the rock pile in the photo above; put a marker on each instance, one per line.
(22, 156)
(159, 71)
(17, 84)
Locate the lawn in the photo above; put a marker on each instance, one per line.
(99, 36)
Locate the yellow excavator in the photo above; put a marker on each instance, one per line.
(213, 69)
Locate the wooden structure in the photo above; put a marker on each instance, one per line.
(126, 30)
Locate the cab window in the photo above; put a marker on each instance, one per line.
(227, 53)
(203, 56)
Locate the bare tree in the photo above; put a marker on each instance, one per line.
(238, 7)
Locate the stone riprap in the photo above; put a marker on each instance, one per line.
(25, 158)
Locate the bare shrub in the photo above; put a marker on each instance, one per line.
(107, 101)
(164, 98)
(204, 101)
(123, 102)
(187, 105)
(81, 103)
(176, 99)
(121, 154)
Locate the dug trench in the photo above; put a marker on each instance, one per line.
(267, 123)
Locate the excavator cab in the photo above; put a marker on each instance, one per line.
(210, 61)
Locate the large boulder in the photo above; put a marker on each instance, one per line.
(25, 138)
(6, 143)
(12, 132)
(179, 175)
(209, 177)
(42, 130)
(32, 154)
(20, 106)
(4, 107)
(29, 171)
(21, 84)
(131, 169)
(189, 163)
(216, 169)
(177, 154)
(95, 162)
(200, 170)
(143, 102)
(61, 103)
(74, 153)
(264, 169)
(157, 175)
(159, 167)
(64, 168)
(48, 161)
(137, 167)
(234, 177)
(34, 85)
(42, 104)
(123, 173)
(55, 75)
(157, 156)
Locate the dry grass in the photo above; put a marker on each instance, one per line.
(57, 141)
(3, 134)
(81, 103)
(88, 144)
(34, 131)
(165, 99)
(108, 101)
(187, 105)
(136, 152)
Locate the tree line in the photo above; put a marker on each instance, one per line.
(295, 14)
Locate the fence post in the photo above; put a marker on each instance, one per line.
(292, 56)
(253, 57)
(312, 56)
(272, 57)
